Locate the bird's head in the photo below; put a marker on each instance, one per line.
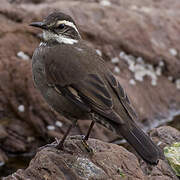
(59, 27)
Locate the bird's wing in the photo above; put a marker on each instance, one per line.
(86, 90)
(86, 87)
(93, 94)
(119, 91)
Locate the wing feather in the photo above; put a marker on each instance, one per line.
(121, 95)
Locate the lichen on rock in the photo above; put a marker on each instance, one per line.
(172, 154)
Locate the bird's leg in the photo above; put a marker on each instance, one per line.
(61, 143)
(84, 141)
(89, 130)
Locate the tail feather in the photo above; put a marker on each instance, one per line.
(139, 140)
(142, 143)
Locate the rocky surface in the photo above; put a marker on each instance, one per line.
(118, 29)
(163, 137)
(108, 161)
(76, 163)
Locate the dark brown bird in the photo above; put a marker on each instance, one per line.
(75, 81)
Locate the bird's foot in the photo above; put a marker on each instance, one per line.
(84, 140)
(87, 147)
(57, 144)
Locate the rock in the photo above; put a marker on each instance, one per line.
(161, 172)
(172, 153)
(165, 136)
(109, 161)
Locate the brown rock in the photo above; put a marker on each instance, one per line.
(162, 172)
(165, 135)
(109, 161)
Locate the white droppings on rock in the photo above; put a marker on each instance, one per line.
(116, 69)
(115, 60)
(149, 66)
(140, 73)
(170, 78)
(140, 68)
(177, 82)
(140, 60)
(98, 52)
(23, 56)
(105, 3)
(158, 71)
(130, 58)
(21, 108)
(161, 63)
(131, 67)
(173, 51)
(122, 54)
(154, 82)
(51, 127)
(132, 82)
(58, 124)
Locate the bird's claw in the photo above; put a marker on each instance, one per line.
(57, 144)
(87, 147)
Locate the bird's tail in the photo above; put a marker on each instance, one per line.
(141, 142)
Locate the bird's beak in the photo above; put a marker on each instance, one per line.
(41, 25)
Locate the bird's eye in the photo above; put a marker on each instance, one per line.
(61, 26)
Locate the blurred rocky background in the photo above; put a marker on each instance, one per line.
(140, 41)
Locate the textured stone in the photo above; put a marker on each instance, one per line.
(108, 161)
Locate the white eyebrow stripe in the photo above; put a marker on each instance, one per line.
(68, 23)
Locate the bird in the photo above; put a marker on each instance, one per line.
(76, 82)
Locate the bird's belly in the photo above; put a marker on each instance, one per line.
(58, 102)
